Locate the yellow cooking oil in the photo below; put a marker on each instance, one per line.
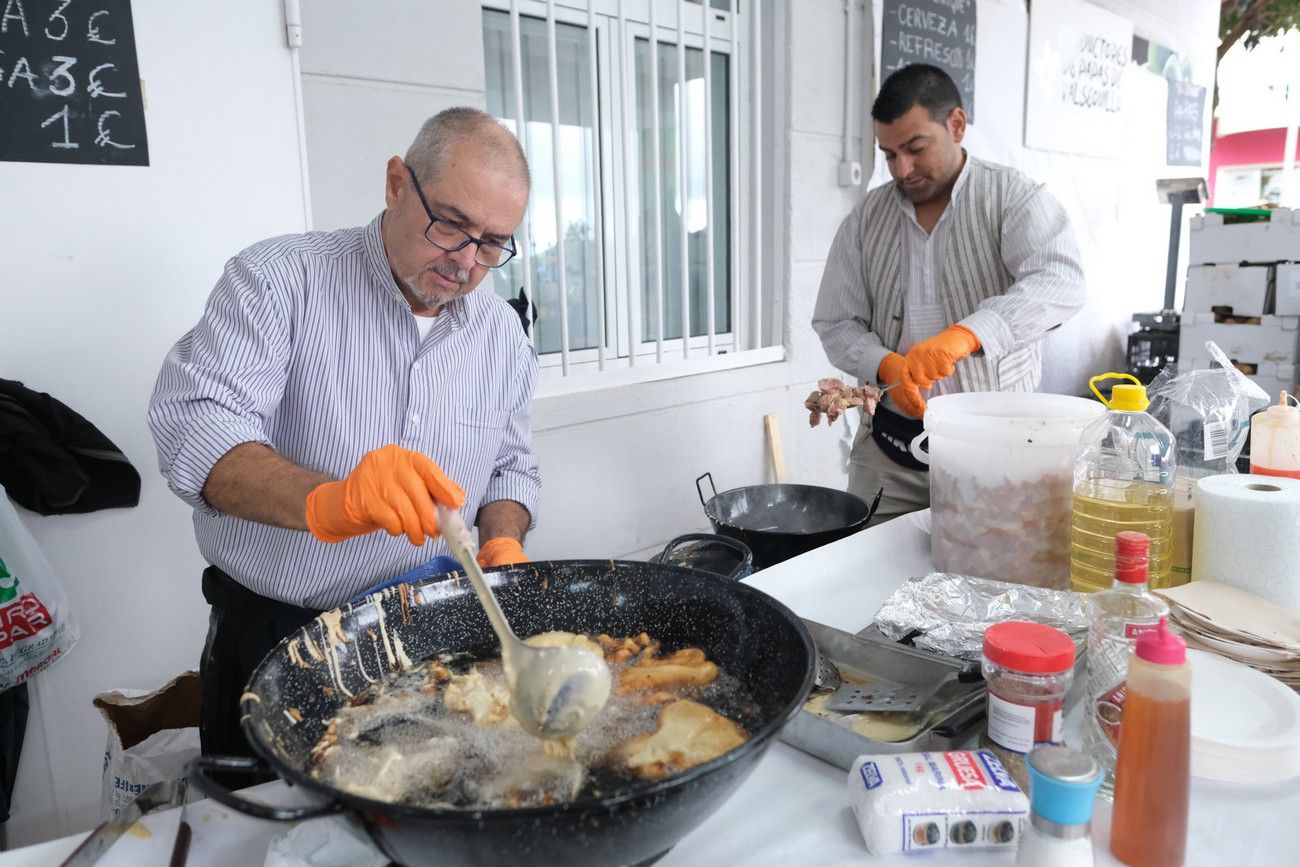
(1104, 507)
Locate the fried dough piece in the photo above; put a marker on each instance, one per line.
(689, 734)
(564, 639)
(685, 667)
(485, 699)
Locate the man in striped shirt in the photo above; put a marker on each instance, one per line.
(943, 281)
(345, 382)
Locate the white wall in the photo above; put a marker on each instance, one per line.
(98, 278)
(101, 269)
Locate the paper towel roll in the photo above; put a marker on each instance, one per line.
(1248, 535)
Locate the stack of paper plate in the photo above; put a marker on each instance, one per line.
(1238, 625)
(1245, 725)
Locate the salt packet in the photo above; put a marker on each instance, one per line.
(922, 802)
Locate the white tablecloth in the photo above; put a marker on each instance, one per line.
(793, 807)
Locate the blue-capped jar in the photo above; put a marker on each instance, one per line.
(1063, 783)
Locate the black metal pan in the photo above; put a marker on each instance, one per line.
(749, 634)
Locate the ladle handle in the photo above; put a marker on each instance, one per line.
(458, 540)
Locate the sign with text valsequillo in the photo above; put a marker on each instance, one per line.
(1079, 59)
(938, 32)
(70, 84)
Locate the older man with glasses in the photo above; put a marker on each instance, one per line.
(344, 382)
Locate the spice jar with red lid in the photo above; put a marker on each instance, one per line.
(1028, 668)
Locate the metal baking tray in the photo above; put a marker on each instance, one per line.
(948, 720)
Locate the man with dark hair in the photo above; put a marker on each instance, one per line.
(347, 382)
(943, 281)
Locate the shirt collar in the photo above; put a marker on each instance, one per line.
(382, 271)
(957, 187)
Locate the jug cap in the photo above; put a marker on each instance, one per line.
(1124, 397)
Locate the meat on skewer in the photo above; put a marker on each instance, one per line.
(833, 397)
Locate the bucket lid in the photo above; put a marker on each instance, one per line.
(1046, 419)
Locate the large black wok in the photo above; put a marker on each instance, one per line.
(778, 522)
(749, 634)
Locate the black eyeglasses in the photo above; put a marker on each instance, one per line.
(450, 237)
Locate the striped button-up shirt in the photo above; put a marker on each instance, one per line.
(308, 346)
(1009, 271)
(923, 310)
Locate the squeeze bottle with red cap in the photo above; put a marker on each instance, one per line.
(1275, 439)
(1149, 822)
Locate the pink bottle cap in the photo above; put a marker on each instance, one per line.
(1161, 646)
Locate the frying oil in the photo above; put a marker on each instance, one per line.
(1104, 507)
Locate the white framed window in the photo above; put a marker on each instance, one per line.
(623, 241)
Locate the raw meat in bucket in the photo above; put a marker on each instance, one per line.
(832, 397)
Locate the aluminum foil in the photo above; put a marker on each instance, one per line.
(952, 611)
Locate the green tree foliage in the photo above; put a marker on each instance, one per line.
(1251, 20)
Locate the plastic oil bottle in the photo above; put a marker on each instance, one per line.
(1275, 439)
(1152, 780)
(1123, 480)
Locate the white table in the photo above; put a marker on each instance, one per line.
(793, 808)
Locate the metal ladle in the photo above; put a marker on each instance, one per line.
(555, 692)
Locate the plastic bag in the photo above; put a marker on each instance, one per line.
(1209, 414)
(36, 626)
(151, 738)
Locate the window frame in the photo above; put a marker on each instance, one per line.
(626, 359)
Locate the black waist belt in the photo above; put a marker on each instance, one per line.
(222, 591)
(894, 434)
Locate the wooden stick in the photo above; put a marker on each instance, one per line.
(774, 450)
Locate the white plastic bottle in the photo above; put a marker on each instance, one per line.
(1123, 480)
(1275, 439)
(1119, 616)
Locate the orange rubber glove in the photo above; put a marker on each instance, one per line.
(501, 551)
(937, 357)
(391, 488)
(906, 394)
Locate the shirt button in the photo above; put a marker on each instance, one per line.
(415, 418)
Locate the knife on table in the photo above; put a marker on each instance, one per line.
(163, 794)
(181, 848)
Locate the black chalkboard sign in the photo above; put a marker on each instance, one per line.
(69, 83)
(938, 32)
(1184, 124)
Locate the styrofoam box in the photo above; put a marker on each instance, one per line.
(1275, 338)
(1244, 288)
(1288, 289)
(1211, 242)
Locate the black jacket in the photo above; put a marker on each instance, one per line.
(54, 462)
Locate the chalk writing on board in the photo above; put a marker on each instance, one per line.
(1184, 124)
(1093, 75)
(70, 83)
(939, 32)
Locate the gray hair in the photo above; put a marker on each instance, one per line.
(490, 138)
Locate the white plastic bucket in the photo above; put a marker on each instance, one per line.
(1001, 472)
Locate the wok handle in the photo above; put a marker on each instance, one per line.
(198, 771)
(700, 490)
